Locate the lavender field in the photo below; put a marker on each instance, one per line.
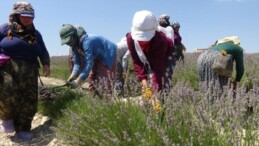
(186, 118)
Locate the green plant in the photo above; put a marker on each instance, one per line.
(189, 117)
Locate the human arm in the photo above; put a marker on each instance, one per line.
(75, 83)
(3, 30)
(125, 61)
(184, 48)
(239, 59)
(139, 67)
(83, 62)
(144, 83)
(237, 53)
(70, 59)
(80, 73)
(44, 56)
(87, 48)
(46, 70)
(76, 64)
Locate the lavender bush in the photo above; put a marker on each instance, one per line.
(187, 117)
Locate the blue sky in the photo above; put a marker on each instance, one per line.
(202, 21)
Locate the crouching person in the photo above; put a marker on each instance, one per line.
(152, 54)
(99, 59)
(212, 81)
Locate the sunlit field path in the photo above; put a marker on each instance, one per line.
(41, 126)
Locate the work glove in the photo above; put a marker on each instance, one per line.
(156, 106)
(74, 84)
(71, 78)
(147, 93)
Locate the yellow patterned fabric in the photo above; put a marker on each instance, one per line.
(155, 103)
(157, 106)
(147, 93)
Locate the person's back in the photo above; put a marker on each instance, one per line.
(98, 64)
(164, 26)
(152, 56)
(157, 56)
(210, 79)
(237, 54)
(102, 48)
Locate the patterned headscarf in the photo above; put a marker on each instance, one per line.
(16, 27)
(23, 8)
(164, 20)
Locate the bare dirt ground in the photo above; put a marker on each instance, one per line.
(41, 127)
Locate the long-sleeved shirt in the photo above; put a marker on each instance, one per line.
(237, 54)
(18, 48)
(123, 53)
(168, 31)
(157, 56)
(125, 61)
(93, 47)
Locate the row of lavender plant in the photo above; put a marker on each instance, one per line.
(187, 117)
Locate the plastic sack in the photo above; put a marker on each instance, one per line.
(223, 65)
(3, 59)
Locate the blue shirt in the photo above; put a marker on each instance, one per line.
(93, 47)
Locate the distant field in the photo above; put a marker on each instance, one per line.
(59, 67)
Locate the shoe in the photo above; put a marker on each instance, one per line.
(8, 126)
(23, 135)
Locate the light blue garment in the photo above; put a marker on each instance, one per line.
(93, 47)
(123, 56)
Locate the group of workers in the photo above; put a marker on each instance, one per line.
(151, 43)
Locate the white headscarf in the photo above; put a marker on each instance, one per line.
(144, 25)
(233, 39)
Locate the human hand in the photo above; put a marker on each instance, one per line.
(123, 76)
(234, 84)
(46, 70)
(147, 93)
(71, 77)
(184, 49)
(72, 84)
(144, 84)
